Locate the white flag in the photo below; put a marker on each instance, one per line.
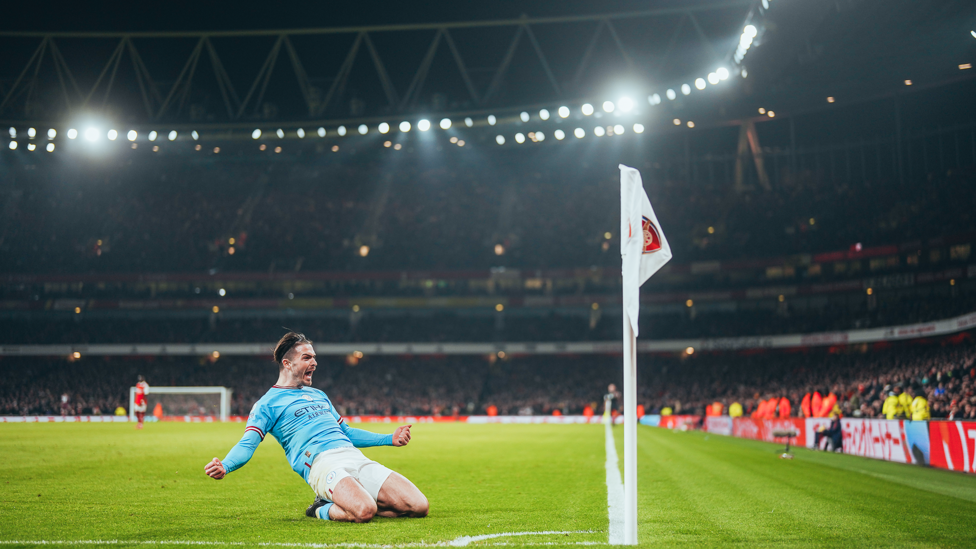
(642, 243)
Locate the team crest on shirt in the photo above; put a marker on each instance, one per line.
(331, 476)
(652, 236)
(254, 411)
(308, 397)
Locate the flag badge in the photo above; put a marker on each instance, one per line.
(652, 236)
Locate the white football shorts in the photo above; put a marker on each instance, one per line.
(139, 407)
(331, 466)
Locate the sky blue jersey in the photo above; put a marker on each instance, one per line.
(304, 422)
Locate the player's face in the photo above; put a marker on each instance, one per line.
(304, 363)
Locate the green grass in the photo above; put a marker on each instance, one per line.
(111, 482)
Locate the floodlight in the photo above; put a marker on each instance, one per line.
(31, 146)
(544, 114)
(132, 135)
(91, 134)
(560, 135)
(301, 133)
(618, 129)
(31, 132)
(194, 135)
(723, 73)
(626, 104)
(685, 89)
(491, 120)
(750, 30)
(564, 112)
(52, 133)
(50, 147)
(524, 116)
(468, 122)
(13, 132)
(404, 126)
(383, 127)
(638, 128)
(152, 135)
(113, 135)
(341, 131)
(539, 136)
(172, 135)
(423, 125)
(608, 106)
(321, 132)
(699, 83)
(599, 131)
(72, 133)
(280, 133)
(587, 109)
(654, 99)
(500, 139)
(13, 145)
(579, 133)
(256, 134)
(519, 138)
(445, 123)
(363, 129)
(713, 78)
(671, 95)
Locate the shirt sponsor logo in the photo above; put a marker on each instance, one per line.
(313, 410)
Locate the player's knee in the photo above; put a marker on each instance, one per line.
(363, 511)
(419, 507)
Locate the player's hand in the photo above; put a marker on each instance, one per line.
(215, 469)
(402, 435)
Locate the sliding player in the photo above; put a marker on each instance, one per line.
(322, 447)
(142, 389)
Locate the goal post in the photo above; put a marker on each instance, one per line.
(185, 401)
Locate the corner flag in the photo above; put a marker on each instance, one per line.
(644, 250)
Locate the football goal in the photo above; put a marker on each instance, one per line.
(211, 402)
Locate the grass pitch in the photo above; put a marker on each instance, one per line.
(108, 482)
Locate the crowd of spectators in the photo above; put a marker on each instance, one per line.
(860, 380)
(418, 213)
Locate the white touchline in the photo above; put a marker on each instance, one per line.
(615, 491)
(462, 541)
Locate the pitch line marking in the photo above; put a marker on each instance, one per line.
(615, 491)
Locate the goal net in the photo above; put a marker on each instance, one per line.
(213, 402)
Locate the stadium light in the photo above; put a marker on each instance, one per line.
(638, 128)
(363, 250)
(383, 127)
(744, 73)
(132, 135)
(222, 292)
(723, 73)
(973, 33)
(152, 135)
(713, 78)
(599, 131)
(563, 112)
(194, 135)
(586, 109)
(699, 83)
(341, 131)
(445, 123)
(113, 135)
(13, 145)
(671, 95)
(579, 133)
(423, 125)
(618, 129)
(654, 99)
(626, 104)
(559, 134)
(500, 139)
(750, 30)
(539, 136)
(280, 133)
(544, 114)
(519, 138)
(608, 106)
(91, 134)
(172, 135)
(13, 132)
(524, 116)
(31, 146)
(301, 133)
(72, 133)
(363, 129)
(404, 126)
(492, 120)
(256, 134)
(31, 132)
(321, 131)
(691, 124)
(685, 89)
(677, 121)
(50, 147)
(468, 122)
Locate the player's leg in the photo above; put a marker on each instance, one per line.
(351, 502)
(398, 497)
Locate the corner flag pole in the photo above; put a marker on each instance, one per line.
(643, 250)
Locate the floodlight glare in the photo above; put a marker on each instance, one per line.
(539, 136)
(579, 133)
(638, 128)
(671, 95)
(544, 114)
(280, 133)
(699, 83)
(599, 131)
(91, 134)
(13, 132)
(256, 134)
(586, 109)
(363, 129)
(301, 133)
(341, 131)
(626, 104)
(685, 89)
(524, 116)
(404, 126)
(500, 139)
(113, 135)
(152, 135)
(468, 122)
(132, 135)
(723, 73)
(608, 106)
(194, 135)
(52, 133)
(519, 138)
(72, 133)
(50, 147)
(31, 146)
(321, 132)
(564, 112)
(423, 125)
(383, 127)
(713, 78)
(31, 132)
(172, 135)
(618, 129)
(560, 135)
(492, 120)
(445, 123)
(655, 99)
(13, 145)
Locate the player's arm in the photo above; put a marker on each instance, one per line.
(365, 439)
(241, 453)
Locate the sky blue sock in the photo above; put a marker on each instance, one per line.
(323, 512)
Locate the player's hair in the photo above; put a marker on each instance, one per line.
(286, 343)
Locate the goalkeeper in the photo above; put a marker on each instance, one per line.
(321, 447)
